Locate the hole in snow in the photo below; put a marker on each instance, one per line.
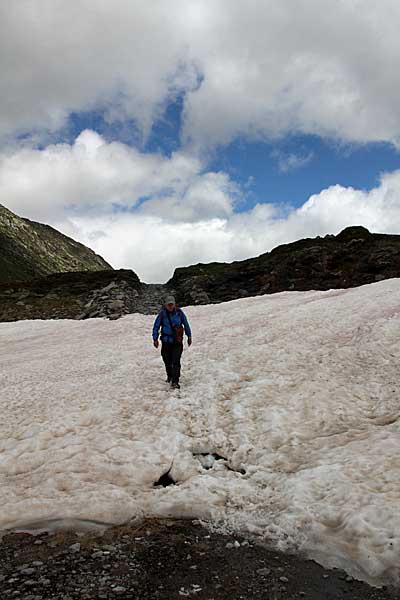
(207, 459)
(215, 455)
(218, 456)
(165, 480)
(241, 471)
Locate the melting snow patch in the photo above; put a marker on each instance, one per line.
(286, 426)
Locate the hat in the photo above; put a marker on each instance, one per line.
(169, 299)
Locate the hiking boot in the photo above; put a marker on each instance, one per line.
(175, 386)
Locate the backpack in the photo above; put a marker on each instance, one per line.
(177, 330)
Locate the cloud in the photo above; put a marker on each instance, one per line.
(92, 175)
(154, 247)
(251, 68)
(319, 67)
(208, 194)
(290, 161)
(152, 214)
(125, 58)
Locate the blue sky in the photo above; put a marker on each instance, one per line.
(257, 165)
(330, 164)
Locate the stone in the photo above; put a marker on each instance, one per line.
(116, 304)
(28, 571)
(265, 571)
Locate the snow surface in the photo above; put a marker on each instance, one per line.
(299, 392)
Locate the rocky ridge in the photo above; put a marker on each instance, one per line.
(73, 295)
(29, 249)
(354, 257)
(80, 295)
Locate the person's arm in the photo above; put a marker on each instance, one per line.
(186, 325)
(156, 329)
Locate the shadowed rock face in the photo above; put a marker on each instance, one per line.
(29, 250)
(73, 295)
(352, 258)
(80, 295)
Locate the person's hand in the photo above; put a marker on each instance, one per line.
(189, 341)
(155, 343)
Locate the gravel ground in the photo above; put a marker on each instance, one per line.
(164, 559)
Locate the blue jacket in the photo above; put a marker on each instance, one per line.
(167, 335)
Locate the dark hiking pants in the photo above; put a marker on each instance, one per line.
(171, 355)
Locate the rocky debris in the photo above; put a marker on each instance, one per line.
(164, 559)
(29, 249)
(354, 257)
(112, 301)
(80, 295)
(152, 297)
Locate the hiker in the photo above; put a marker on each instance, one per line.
(172, 321)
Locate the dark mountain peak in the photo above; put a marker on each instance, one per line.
(29, 249)
(353, 232)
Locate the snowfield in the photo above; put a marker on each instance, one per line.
(298, 392)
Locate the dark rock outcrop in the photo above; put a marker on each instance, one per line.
(354, 257)
(80, 295)
(73, 295)
(29, 250)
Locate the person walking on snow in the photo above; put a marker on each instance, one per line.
(172, 321)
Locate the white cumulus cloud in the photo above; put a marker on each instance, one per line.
(152, 213)
(258, 68)
(89, 174)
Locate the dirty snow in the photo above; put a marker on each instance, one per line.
(297, 392)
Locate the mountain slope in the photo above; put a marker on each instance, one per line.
(29, 249)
